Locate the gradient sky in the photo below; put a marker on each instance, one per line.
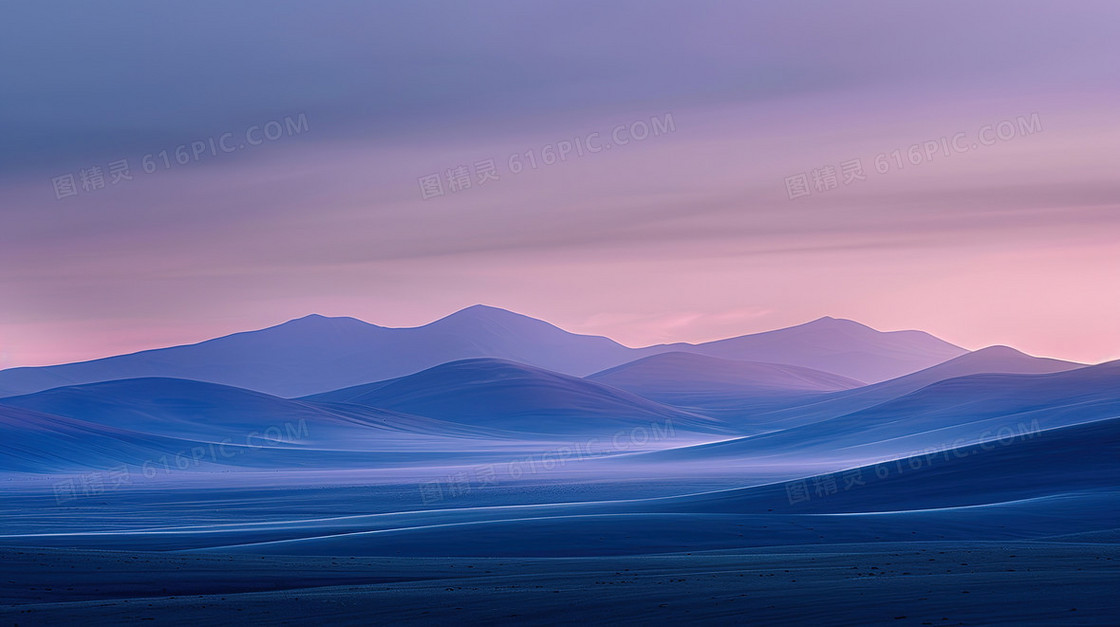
(690, 235)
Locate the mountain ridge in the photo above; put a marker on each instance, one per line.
(317, 353)
(683, 378)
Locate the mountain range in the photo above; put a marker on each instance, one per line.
(461, 408)
(683, 378)
(317, 354)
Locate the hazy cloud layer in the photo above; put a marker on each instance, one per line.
(689, 235)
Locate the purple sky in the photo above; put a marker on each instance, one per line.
(688, 235)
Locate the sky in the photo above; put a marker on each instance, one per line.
(647, 170)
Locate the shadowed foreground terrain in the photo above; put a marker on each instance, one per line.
(1068, 583)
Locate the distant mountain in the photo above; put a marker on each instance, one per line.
(316, 354)
(949, 413)
(991, 360)
(690, 379)
(505, 395)
(839, 346)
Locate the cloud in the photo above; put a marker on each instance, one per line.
(666, 234)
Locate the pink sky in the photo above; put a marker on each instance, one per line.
(687, 236)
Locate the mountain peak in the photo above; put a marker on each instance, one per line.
(485, 310)
(488, 316)
(829, 321)
(318, 324)
(997, 359)
(829, 324)
(1009, 355)
(308, 318)
(999, 349)
(319, 320)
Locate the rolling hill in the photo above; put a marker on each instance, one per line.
(691, 379)
(991, 360)
(183, 425)
(942, 415)
(505, 395)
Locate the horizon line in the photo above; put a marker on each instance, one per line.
(477, 306)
